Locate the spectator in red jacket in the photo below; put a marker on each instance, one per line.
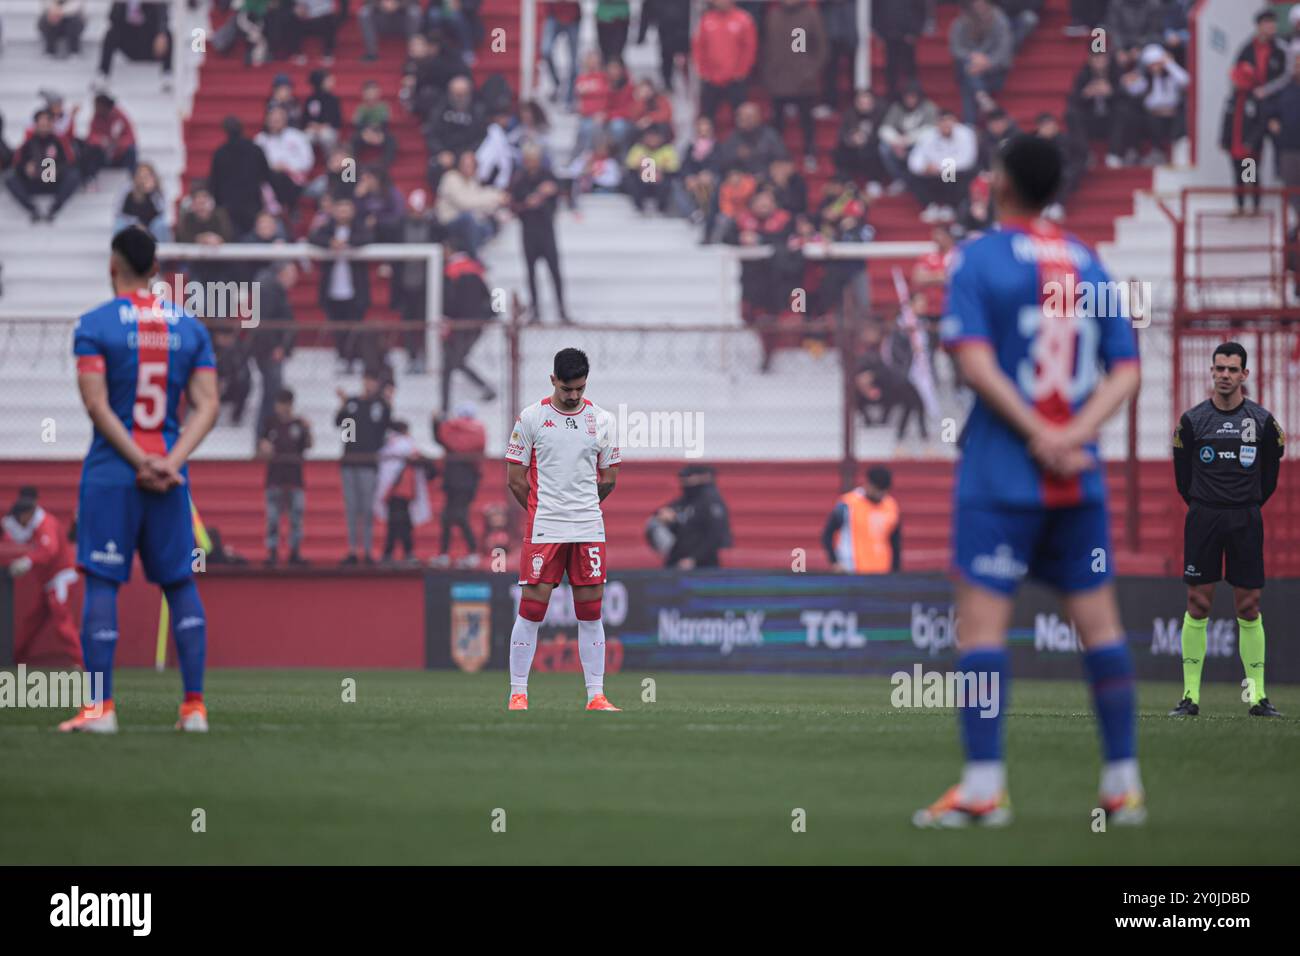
(463, 440)
(110, 144)
(48, 555)
(726, 44)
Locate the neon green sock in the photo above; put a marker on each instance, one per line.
(1193, 656)
(1250, 641)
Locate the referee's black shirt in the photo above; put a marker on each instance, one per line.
(1227, 459)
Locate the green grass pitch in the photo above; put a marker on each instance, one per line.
(711, 772)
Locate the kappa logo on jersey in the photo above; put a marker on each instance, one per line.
(1247, 455)
(548, 424)
(109, 555)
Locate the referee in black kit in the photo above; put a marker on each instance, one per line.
(1227, 454)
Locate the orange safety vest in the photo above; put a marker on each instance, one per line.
(863, 543)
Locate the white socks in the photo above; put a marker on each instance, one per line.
(983, 781)
(1120, 777)
(591, 651)
(523, 645)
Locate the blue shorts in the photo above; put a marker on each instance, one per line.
(1066, 548)
(115, 520)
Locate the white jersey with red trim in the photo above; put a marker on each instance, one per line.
(563, 453)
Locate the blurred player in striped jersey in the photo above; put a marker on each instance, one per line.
(137, 355)
(1048, 368)
(562, 462)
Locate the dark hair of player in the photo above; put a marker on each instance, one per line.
(880, 477)
(284, 396)
(1230, 349)
(571, 364)
(134, 246)
(1033, 168)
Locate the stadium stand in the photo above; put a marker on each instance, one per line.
(625, 273)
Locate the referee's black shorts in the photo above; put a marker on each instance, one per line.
(1219, 539)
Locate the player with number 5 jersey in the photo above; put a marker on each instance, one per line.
(562, 462)
(138, 355)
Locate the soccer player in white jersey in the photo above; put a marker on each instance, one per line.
(561, 464)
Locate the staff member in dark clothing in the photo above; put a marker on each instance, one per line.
(532, 199)
(1227, 455)
(463, 439)
(364, 420)
(284, 440)
(698, 521)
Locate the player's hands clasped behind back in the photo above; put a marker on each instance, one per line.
(157, 475)
(1060, 452)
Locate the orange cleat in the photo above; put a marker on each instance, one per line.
(1125, 809)
(518, 702)
(101, 719)
(194, 717)
(601, 702)
(953, 811)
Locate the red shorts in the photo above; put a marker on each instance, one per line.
(583, 561)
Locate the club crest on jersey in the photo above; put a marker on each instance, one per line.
(1207, 454)
(538, 560)
(591, 423)
(1247, 455)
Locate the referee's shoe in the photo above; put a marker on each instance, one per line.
(1263, 709)
(1186, 708)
